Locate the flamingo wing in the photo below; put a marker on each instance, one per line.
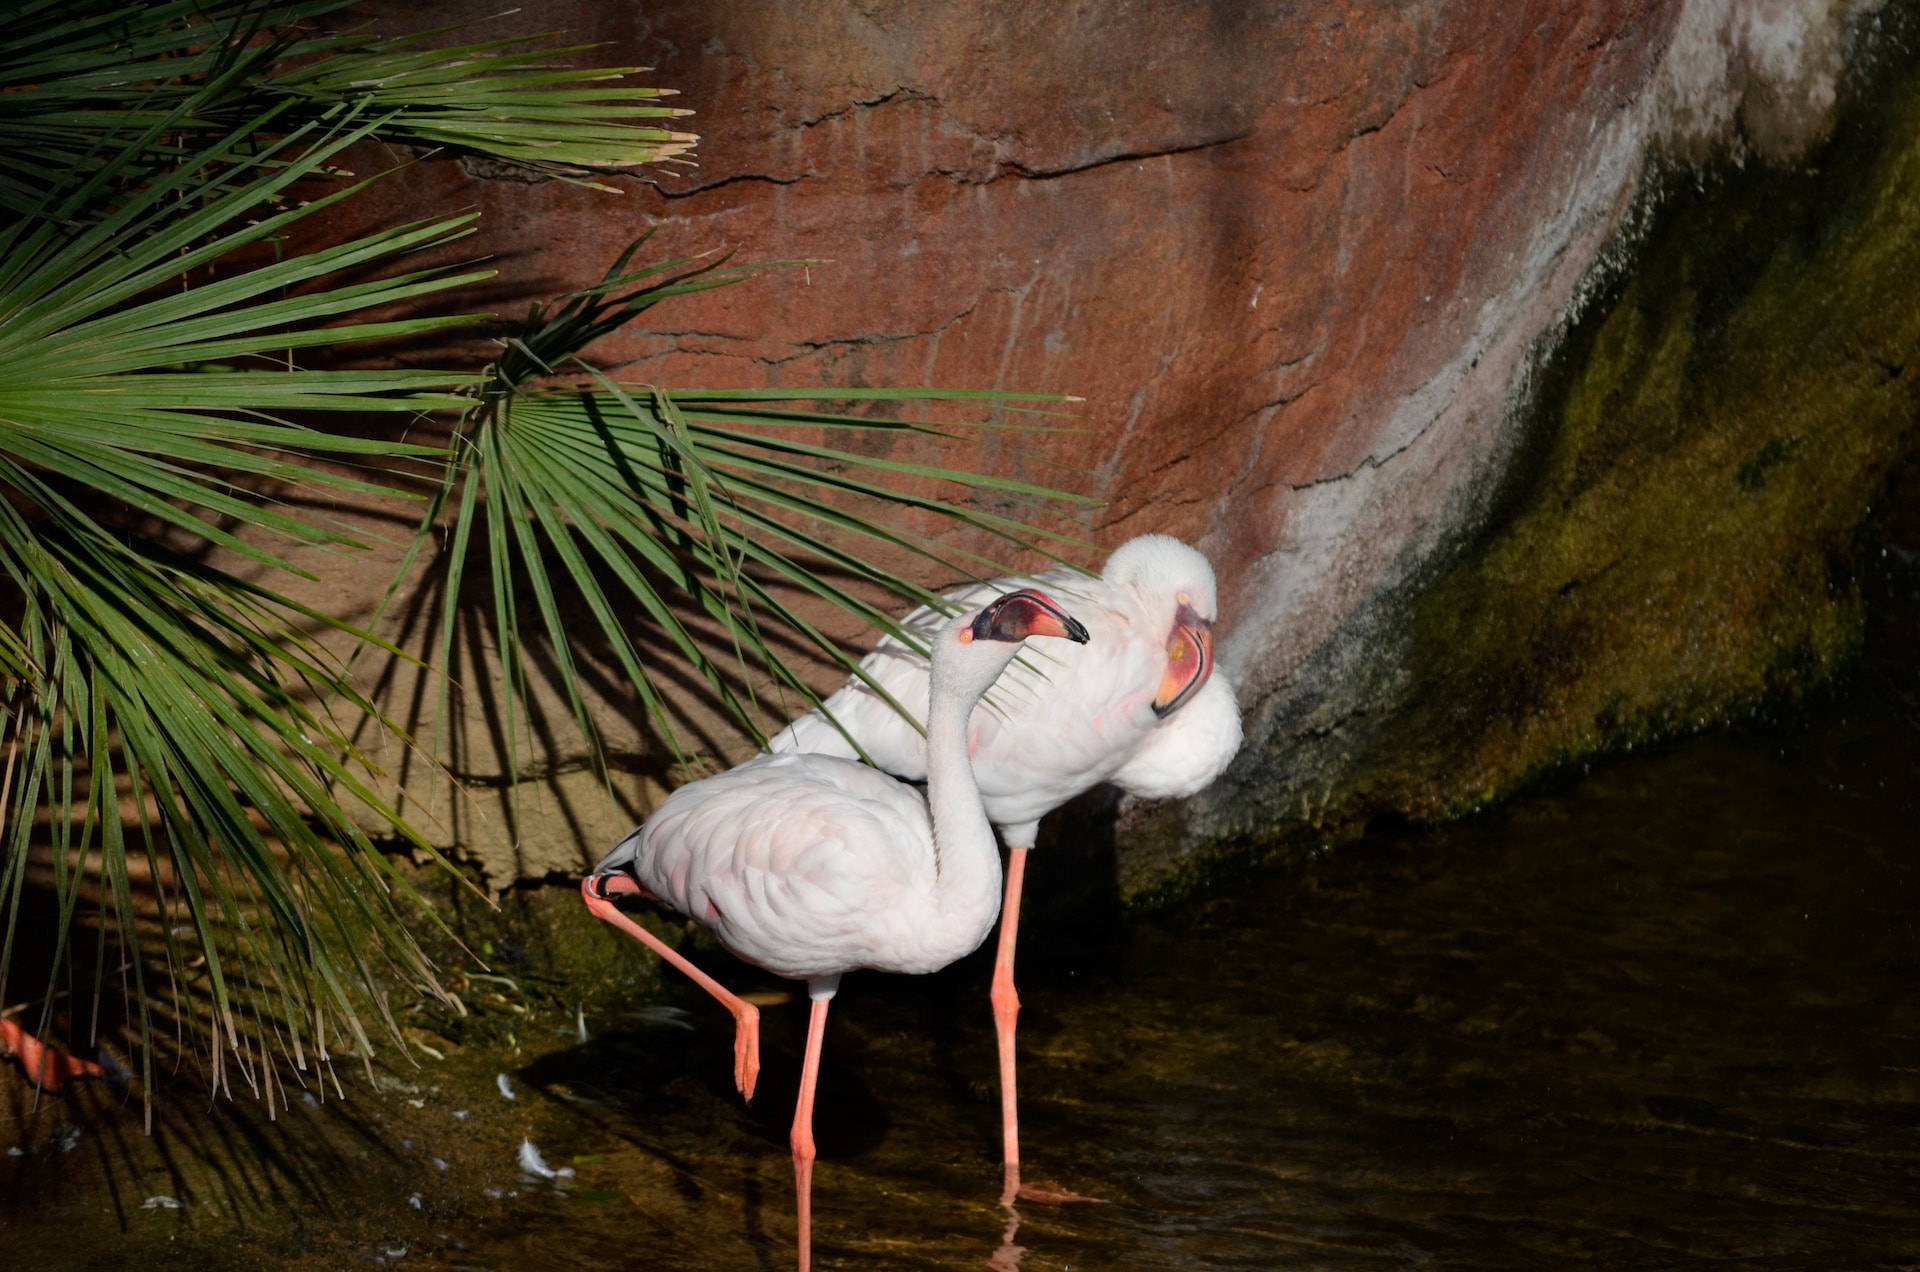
(891, 742)
(797, 862)
(1188, 749)
(1059, 721)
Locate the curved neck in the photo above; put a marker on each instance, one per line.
(964, 852)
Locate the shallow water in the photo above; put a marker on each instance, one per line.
(1667, 1014)
(1660, 1014)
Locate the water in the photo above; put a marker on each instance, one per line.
(1662, 1014)
(1665, 1015)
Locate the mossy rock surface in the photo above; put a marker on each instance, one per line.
(1675, 543)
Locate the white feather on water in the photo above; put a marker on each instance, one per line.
(533, 1164)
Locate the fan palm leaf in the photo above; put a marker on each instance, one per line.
(79, 81)
(147, 682)
(644, 504)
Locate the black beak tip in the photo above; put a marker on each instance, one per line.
(1077, 631)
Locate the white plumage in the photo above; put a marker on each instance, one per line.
(809, 866)
(1187, 750)
(1066, 718)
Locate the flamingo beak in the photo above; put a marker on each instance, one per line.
(1189, 662)
(1018, 615)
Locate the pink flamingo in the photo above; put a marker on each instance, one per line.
(812, 866)
(45, 1066)
(1138, 706)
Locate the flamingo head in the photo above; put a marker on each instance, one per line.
(1021, 614)
(975, 648)
(1175, 584)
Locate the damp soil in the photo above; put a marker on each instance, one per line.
(1664, 1012)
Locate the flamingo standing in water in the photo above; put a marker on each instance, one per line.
(1137, 706)
(812, 866)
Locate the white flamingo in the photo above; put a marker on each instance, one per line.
(1137, 706)
(812, 866)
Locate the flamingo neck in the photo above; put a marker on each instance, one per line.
(964, 853)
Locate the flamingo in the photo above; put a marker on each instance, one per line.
(812, 866)
(1138, 706)
(45, 1066)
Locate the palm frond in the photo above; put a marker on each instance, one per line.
(145, 682)
(80, 81)
(646, 505)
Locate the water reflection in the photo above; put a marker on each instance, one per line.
(1663, 1014)
(1660, 1014)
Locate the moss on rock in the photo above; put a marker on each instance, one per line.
(1682, 551)
(1675, 543)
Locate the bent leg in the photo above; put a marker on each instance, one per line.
(597, 891)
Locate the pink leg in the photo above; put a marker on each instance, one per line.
(1006, 1010)
(596, 889)
(802, 1137)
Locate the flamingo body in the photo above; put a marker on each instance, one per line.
(809, 866)
(813, 865)
(1136, 705)
(1063, 719)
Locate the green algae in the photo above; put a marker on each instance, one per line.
(1674, 545)
(1681, 550)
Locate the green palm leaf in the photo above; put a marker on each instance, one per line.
(640, 505)
(146, 683)
(80, 82)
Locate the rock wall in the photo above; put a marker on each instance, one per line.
(1302, 261)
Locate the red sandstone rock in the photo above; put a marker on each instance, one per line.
(1295, 257)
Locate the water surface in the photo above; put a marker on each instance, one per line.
(1665, 1013)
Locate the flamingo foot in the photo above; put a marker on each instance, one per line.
(746, 1050)
(46, 1067)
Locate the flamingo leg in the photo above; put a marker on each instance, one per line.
(802, 1138)
(46, 1067)
(1006, 1010)
(597, 890)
